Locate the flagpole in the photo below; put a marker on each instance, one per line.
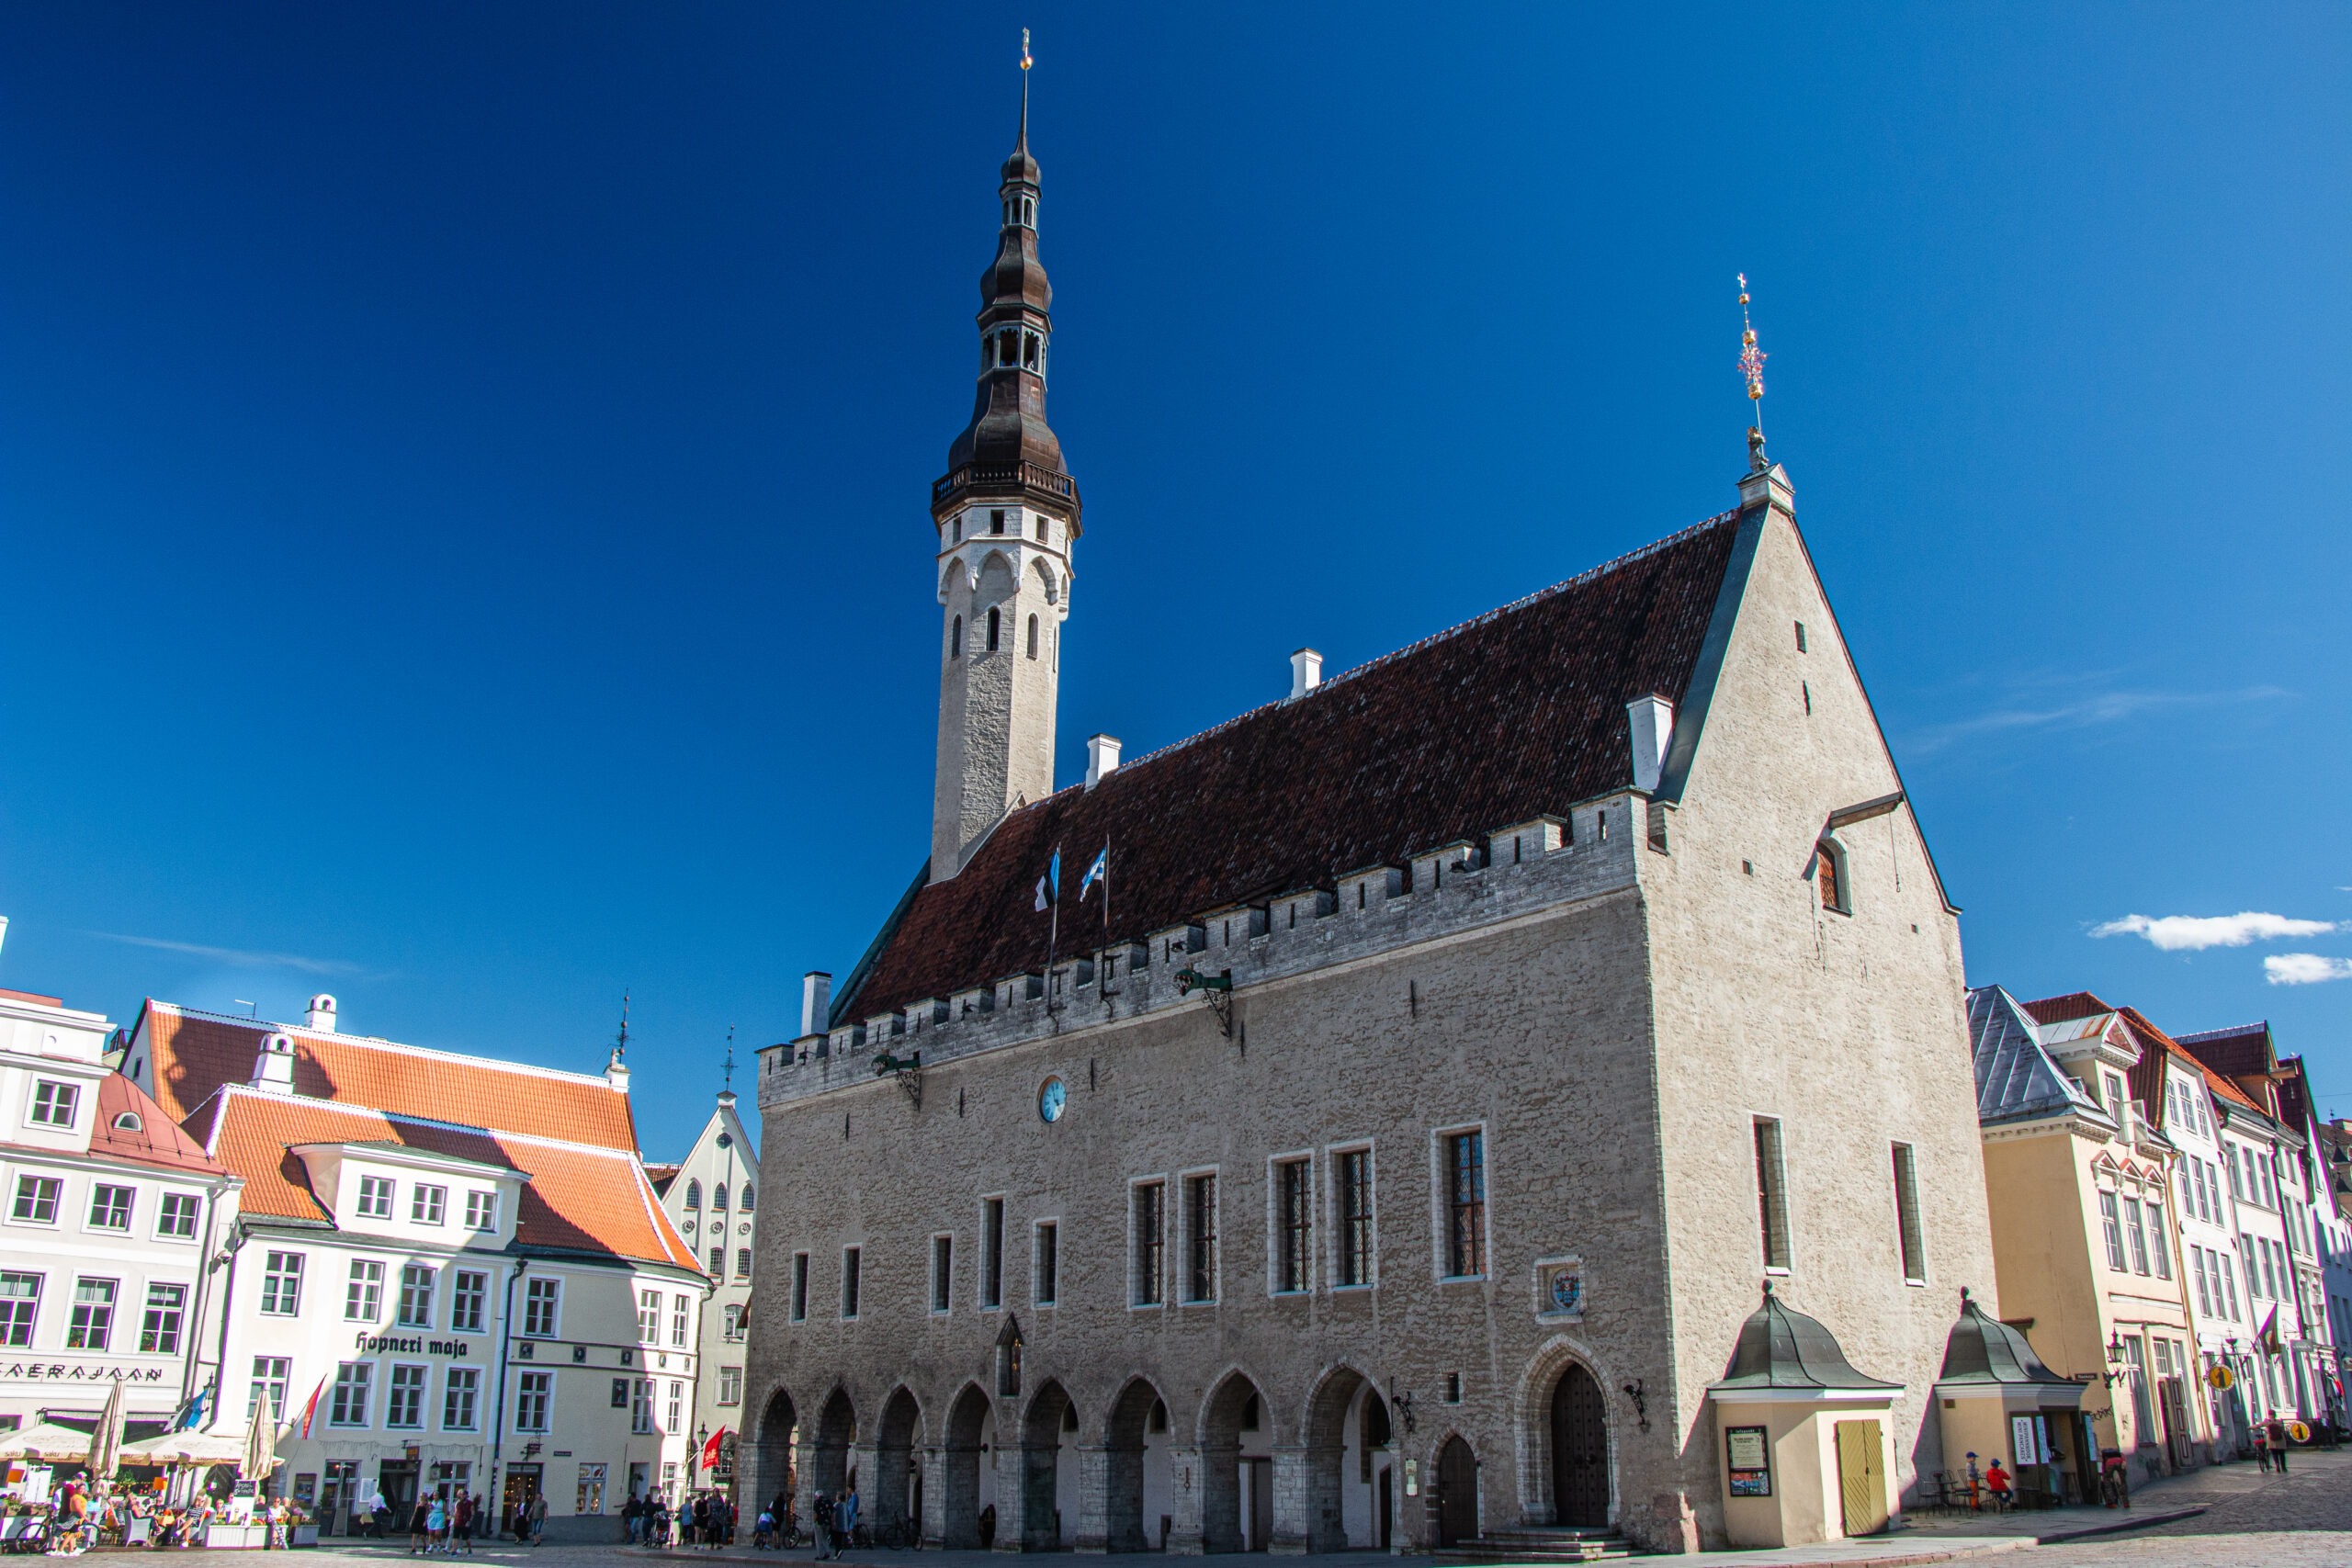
(1054, 925)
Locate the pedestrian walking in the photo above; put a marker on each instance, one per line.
(844, 1520)
(464, 1522)
(820, 1520)
(538, 1518)
(2262, 1445)
(2275, 1430)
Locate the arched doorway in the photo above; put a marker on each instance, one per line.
(959, 1477)
(1346, 1441)
(896, 1476)
(1127, 1434)
(1041, 1442)
(1457, 1492)
(1580, 1450)
(836, 1431)
(771, 1452)
(1237, 1512)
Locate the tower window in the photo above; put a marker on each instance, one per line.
(1041, 528)
(1835, 893)
(1004, 348)
(1032, 636)
(996, 521)
(959, 530)
(992, 631)
(1029, 350)
(955, 638)
(1029, 210)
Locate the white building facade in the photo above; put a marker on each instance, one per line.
(711, 1198)
(110, 1212)
(483, 1297)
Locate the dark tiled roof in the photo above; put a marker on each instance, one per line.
(1779, 1349)
(1517, 714)
(2066, 1009)
(1983, 1350)
(2240, 1051)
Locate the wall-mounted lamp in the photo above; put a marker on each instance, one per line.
(1641, 1405)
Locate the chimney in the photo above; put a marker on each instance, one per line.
(274, 1068)
(816, 1001)
(1102, 755)
(320, 1018)
(1306, 671)
(1651, 719)
(616, 1072)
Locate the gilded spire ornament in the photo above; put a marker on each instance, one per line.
(1751, 368)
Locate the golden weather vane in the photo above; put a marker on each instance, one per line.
(1751, 368)
(1025, 61)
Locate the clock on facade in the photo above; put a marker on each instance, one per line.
(1051, 1099)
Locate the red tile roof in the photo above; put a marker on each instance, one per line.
(33, 997)
(579, 1198)
(196, 1053)
(1517, 714)
(155, 1141)
(2147, 1083)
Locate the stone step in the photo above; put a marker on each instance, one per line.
(1537, 1546)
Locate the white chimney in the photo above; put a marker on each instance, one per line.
(1306, 671)
(274, 1068)
(1102, 755)
(320, 1018)
(816, 1001)
(1651, 719)
(616, 1072)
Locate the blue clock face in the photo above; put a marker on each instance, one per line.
(1051, 1099)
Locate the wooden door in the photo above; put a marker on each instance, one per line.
(1457, 1493)
(1580, 1450)
(1861, 1477)
(1387, 1508)
(2174, 1412)
(1258, 1475)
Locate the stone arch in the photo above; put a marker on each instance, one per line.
(1531, 1413)
(959, 576)
(1046, 580)
(896, 1474)
(1332, 1426)
(1041, 1466)
(959, 1470)
(994, 581)
(1450, 1488)
(1125, 1436)
(828, 1454)
(1219, 1428)
(771, 1450)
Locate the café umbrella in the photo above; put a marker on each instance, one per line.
(260, 1456)
(106, 1443)
(43, 1441)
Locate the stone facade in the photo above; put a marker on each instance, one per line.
(1610, 1001)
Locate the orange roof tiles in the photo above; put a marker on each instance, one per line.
(579, 1198)
(194, 1053)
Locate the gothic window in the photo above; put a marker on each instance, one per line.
(1029, 211)
(993, 625)
(955, 638)
(743, 1205)
(693, 1194)
(1834, 892)
(1029, 350)
(719, 1196)
(1032, 636)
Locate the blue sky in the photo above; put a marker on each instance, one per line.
(463, 470)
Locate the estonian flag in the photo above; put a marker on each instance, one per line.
(1099, 872)
(1049, 887)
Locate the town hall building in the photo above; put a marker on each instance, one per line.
(1524, 1082)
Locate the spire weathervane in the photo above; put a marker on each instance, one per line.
(1751, 367)
(620, 1041)
(1025, 61)
(727, 1079)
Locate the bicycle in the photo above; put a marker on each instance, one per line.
(900, 1535)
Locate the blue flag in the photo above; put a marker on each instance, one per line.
(1049, 887)
(1099, 872)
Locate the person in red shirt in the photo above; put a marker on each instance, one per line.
(1996, 1481)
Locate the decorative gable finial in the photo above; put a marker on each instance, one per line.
(1751, 368)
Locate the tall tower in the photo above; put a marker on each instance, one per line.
(1007, 514)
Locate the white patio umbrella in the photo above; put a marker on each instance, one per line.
(106, 1443)
(184, 1448)
(260, 1455)
(42, 1440)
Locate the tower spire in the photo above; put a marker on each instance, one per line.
(1751, 368)
(1007, 515)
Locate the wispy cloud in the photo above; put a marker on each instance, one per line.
(238, 957)
(2195, 933)
(2079, 712)
(2304, 969)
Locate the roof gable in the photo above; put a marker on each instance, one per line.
(1517, 714)
(2016, 1079)
(152, 1139)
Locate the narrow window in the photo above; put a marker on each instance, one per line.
(417, 1295)
(799, 1287)
(1907, 1214)
(1200, 1195)
(730, 1386)
(1041, 528)
(693, 1194)
(743, 1203)
(850, 1257)
(270, 1375)
(1355, 1217)
(1295, 1188)
(992, 1253)
(681, 1318)
(958, 527)
(1466, 1204)
(993, 622)
(531, 1398)
(542, 1299)
(1806, 688)
(1049, 1263)
(718, 1262)
(719, 1196)
(1032, 636)
(2160, 1253)
(1029, 351)
(1149, 1241)
(742, 1263)
(943, 1272)
(2111, 1222)
(955, 638)
(1772, 1192)
(996, 520)
(1832, 876)
(649, 1317)
(1799, 637)
(281, 1284)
